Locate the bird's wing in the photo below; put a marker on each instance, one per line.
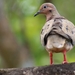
(45, 30)
(69, 29)
(61, 27)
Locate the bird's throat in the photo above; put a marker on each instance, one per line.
(49, 17)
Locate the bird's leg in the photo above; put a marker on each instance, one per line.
(64, 54)
(51, 57)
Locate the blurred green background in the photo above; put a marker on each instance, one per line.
(20, 44)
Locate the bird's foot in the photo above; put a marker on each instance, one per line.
(65, 62)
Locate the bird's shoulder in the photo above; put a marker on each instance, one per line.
(66, 25)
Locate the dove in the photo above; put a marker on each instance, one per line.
(58, 33)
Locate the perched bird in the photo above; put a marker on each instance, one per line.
(58, 33)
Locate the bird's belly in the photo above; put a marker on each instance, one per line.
(57, 44)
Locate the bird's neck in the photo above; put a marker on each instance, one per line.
(50, 16)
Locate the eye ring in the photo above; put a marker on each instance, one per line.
(45, 7)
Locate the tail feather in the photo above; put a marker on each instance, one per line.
(55, 41)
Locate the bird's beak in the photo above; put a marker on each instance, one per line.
(37, 13)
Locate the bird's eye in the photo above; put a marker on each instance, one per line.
(45, 7)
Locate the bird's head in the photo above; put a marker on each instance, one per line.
(48, 9)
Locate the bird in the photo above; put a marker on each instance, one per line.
(58, 33)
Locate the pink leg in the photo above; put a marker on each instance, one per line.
(64, 54)
(51, 57)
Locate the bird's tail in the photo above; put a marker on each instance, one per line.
(55, 41)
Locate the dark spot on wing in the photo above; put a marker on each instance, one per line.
(57, 24)
(58, 18)
(48, 25)
(72, 32)
(67, 28)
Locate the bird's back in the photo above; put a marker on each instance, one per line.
(58, 34)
